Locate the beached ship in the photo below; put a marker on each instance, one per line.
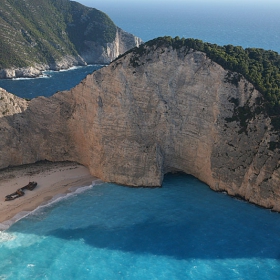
(20, 192)
(31, 186)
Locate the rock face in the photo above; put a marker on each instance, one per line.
(94, 54)
(54, 35)
(97, 53)
(145, 115)
(11, 104)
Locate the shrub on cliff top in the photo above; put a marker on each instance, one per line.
(258, 66)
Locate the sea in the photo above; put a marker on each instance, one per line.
(183, 230)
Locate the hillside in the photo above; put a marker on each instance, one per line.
(163, 107)
(57, 34)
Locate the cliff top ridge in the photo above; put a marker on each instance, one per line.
(258, 66)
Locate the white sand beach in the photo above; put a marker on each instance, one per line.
(52, 179)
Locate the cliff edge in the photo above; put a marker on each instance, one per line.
(165, 110)
(54, 35)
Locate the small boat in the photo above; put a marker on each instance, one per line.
(20, 192)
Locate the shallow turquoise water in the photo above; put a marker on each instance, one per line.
(180, 231)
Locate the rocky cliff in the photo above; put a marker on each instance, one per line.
(11, 104)
(144, 115)
(96, 53)
(39, 35)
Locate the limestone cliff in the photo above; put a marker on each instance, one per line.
(145, 115)
(11, 104)
(54, 35)
(94, 53)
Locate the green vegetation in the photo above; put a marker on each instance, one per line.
(43, 31)
(84, 23)
(258, 66)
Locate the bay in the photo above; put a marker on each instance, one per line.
(180, 231)
(49, 83)
(183, 230)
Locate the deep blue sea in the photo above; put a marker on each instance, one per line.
(49, 83)
(246, 23)
(180, 231)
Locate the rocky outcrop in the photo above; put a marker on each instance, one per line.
(145, 115)
(104, 54)
(56, 35)
(95, 53)
(11, 104)
(37, 69)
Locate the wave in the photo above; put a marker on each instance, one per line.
(63, 196)
(43, 76)
(78, 67)
(4, 237)
(70, 68)
(73, 191)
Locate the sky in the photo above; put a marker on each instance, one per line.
(94, 3)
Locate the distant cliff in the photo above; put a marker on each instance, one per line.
(157, 109)
(55, 34)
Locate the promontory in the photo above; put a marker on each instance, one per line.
(166, 106)
(39, 35)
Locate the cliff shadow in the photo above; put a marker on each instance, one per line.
(179, 241)
(212, 226)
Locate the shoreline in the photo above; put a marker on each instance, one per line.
(54, 180)
(40, 73)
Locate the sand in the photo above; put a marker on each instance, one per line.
(52, 179)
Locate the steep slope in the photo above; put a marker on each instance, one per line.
(54, 34)
(155, 110)
(11, 104)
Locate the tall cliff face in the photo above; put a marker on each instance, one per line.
(145, 115)
(96, 53)
(55, 35)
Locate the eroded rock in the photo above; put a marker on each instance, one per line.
(137, 119)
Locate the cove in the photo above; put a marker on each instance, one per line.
(183, 230)
(49, 83)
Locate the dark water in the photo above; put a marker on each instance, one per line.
(244, 23)
(49, 83)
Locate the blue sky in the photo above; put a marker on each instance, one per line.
(93, 3)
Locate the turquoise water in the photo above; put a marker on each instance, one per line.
(180, 231)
